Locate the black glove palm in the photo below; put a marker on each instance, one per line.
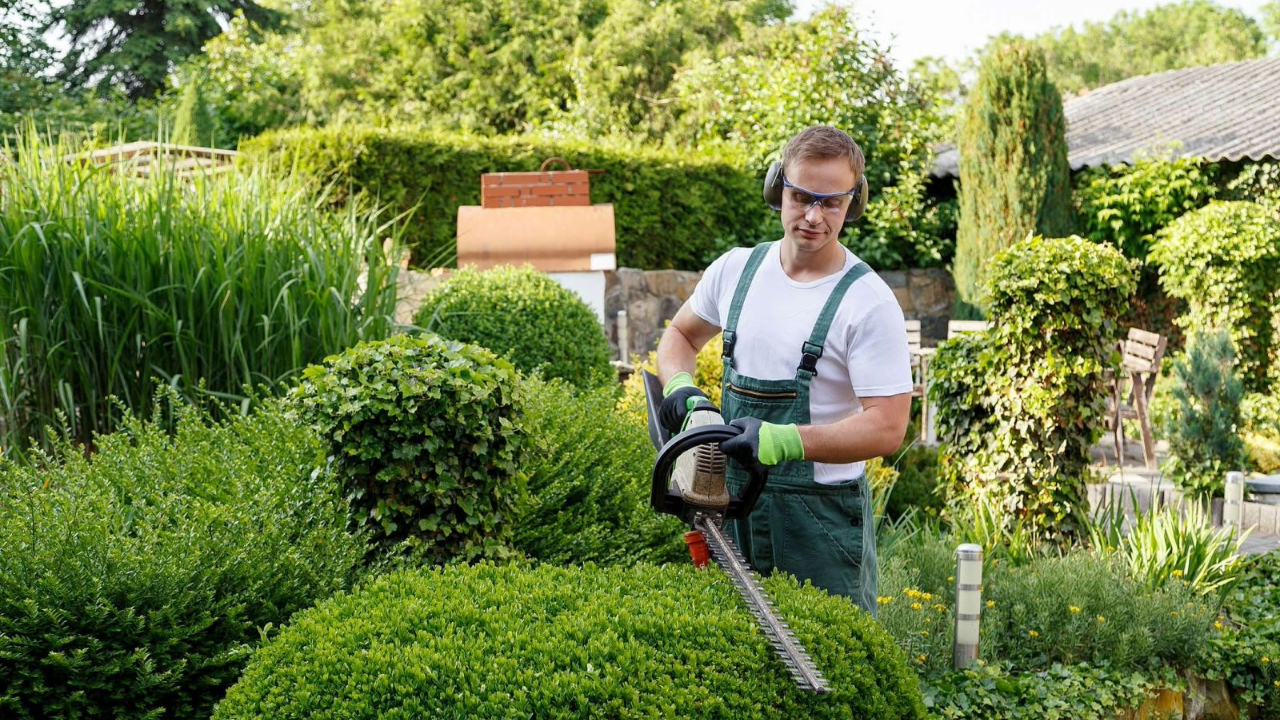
(676, 406)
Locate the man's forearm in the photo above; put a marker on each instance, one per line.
(875, 432)
(675, 354)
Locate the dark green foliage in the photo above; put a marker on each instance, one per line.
(1204, 422)
(1020, 405)
(1014, 177)
(671, 209)
(109, 282)
(195, 123)
(426, 437)
(1079, 692)
(1258, 182)
(1245, 650)
(134, 44)
(589, 480)
(135, 584)
(510, 642)
(1224, 261)
(917, 483)
(1126, 205)
(524, 315)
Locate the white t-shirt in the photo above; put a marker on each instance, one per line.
(865, 353)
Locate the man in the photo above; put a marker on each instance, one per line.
(816, 371)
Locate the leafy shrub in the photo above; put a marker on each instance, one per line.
(110, 282)
(1126, 205)
(1014, 177)
(1245, 650)
(921, 621)
(539, 325)
(672, 209)
(426, 436)
(1257, 182)
(136, 582)
(1224, 261)
(1079, 692)
(1260, 418)
(917, 483)
(589, 480)
(1085, 608)
(509, 642)
(1202, 420)
(1020, 406)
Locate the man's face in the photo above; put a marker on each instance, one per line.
(814, 226)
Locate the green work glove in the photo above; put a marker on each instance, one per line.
(763, 444)
(680, 397)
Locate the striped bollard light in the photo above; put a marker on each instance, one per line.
(968, 603)
(1233, 502)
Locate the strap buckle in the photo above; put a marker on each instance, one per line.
(809, 357)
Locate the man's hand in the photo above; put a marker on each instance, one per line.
(680, 397)
(763, 444)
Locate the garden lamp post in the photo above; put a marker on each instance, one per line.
(968, 603)
(1233, 502)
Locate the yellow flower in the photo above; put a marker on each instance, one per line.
(951, 578)
(1177, 573)
(924, 633)
(1101, 619)
(1073, 608)
(991, 603)
(1278, 683)
(1217, 624)
(1174, 613)
(1033, 633)
(916, 606)
(884, 600)
(940, 607)
(1266, 659)
(920, 658)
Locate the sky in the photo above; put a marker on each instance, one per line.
(955, 28)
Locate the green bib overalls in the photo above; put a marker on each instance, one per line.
(822, 533)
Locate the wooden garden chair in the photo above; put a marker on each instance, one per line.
(1132, 388)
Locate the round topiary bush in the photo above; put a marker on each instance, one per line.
(426, 436)
(526, 316)
(510, 642)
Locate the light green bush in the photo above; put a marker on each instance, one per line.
(136, 582)
(426, 437)
(589, 480)
(509, 642)
(1224, 261)
(522, 314)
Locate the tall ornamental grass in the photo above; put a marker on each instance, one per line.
(110, 282)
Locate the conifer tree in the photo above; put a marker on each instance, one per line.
(1014, 177)
(194, 123)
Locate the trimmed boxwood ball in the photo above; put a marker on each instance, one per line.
(426, 436)
(645, 641)
(524, 315)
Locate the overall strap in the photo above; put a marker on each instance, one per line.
(812, 348)
(740, 295)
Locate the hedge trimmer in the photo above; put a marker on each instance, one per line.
(689, 482)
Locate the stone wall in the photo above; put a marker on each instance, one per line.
(652, 297)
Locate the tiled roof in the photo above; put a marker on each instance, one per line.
(1220, 112)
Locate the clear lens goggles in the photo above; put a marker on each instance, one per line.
(829, 202)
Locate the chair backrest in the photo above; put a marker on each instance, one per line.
(959, 327)
(913, 336)
(1143, 351)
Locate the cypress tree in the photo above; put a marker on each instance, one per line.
(194, 123)
(1014, 177)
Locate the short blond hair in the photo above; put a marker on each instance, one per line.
(823, 142)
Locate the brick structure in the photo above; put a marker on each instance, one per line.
(544, 188)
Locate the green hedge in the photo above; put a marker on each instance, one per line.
(589, 470)
(426, 436)
(525, 316)
(672, 210)
(135, 584)
(586, 642)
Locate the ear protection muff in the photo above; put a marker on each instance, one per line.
(773, 194)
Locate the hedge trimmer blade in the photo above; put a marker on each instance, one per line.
(784, 643)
